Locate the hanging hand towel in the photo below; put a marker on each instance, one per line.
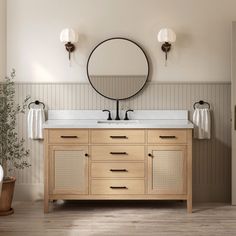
(202, 123)
(36, 118)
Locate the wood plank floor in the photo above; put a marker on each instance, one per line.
(110, 218)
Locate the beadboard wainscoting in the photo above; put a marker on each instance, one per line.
(211, 158)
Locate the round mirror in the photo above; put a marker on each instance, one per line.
(117, 68)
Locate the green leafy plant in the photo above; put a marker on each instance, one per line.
(13, 154)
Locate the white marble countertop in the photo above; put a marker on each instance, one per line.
(140, 124)
(139, 119)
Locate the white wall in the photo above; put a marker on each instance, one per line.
(201, 53)
(2, 38)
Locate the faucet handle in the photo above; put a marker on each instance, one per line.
(126, 114)
(109, 114)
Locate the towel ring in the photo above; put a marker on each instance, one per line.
(36, 103)
(201, 102)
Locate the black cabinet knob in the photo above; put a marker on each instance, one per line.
(86, 154)
(149, 154)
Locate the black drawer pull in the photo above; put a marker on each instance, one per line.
(118, 153)
(69, 136)
(167, 137)
(118, 170)
(119, 137)
(118, 187)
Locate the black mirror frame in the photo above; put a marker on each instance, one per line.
(131, 42)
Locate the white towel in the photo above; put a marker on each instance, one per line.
(36, 118)
(202, 123)
(1, 179)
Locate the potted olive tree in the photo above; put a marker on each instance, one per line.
(13, 154)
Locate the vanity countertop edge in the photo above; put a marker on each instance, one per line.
(145, 119)
(92, 124)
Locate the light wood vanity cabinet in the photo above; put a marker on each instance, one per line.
(118, 164)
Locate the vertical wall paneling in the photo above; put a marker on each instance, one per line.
(211, 158)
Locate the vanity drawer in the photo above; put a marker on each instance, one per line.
(118, 136)
(167, 136)
(117, 153)
(73, 136)
(117, 169)
(117, 186)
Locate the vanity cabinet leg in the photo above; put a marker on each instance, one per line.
(189, 206)
(46, 205)
(189, 173)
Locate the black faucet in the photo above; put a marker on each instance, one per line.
(117, 110)
(126, 114)
(109, 114)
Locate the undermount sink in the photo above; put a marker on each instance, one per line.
(118, 122)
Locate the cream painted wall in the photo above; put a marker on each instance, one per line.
(201, 53)
(2, 38)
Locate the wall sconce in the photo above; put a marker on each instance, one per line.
(69, 36)
(166, 36)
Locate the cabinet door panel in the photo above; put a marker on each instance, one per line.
(69, 170)
(167, 170)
